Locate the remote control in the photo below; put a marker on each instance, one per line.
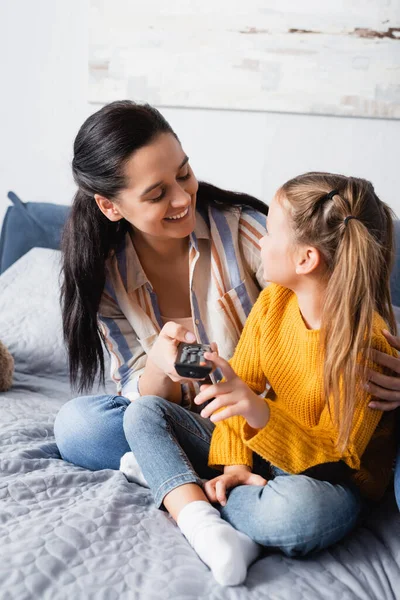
(190, 361)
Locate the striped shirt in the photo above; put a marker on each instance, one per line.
(226, 277)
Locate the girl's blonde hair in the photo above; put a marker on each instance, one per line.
(358, 254)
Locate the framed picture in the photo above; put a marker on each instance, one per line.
(339, 57)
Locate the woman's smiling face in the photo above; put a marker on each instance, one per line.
(159, 198)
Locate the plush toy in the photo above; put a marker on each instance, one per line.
(6, 368)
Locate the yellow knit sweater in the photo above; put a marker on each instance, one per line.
(276, 347)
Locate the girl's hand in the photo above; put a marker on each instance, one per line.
(385, 387)
(216, 488)
(164, 351)
(234, 394)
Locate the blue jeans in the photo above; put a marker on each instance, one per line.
(89, 431)
(294, 513)
(397, 469)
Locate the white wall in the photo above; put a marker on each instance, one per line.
(43, 101)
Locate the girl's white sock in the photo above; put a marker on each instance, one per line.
(224, 550)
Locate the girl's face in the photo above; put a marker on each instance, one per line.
(277, 249)
(160, 197)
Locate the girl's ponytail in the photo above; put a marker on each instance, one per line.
(350, 303)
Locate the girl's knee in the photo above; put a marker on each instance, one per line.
(302, 495)
(305, 515)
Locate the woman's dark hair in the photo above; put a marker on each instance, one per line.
(104, 144)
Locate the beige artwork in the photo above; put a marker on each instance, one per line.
(339, 57)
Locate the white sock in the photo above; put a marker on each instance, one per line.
(130, 468)
(224, 550)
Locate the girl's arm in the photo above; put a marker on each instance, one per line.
(233, 476)
(227, 446)
(291, 446)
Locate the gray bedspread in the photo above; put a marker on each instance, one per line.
(71, 533)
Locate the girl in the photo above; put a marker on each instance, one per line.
(302, 462)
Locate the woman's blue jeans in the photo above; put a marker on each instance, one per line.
(294, 513)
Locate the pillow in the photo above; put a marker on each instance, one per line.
(30, 225)
(30, 314)
(30, 317)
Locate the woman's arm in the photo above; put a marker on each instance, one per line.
(136, 373)
(386, 387)
(159, 377)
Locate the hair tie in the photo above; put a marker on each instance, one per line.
(331, 194)
(321, 201)
(347, 219)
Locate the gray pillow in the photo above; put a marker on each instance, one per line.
(30, 315)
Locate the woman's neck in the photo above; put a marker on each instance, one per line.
(157, 249)
(311, 298)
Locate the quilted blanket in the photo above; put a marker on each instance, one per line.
(71, 533)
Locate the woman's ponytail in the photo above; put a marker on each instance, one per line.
(87, 240)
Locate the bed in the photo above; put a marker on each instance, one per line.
(67, 532)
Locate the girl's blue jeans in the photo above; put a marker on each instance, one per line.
(294, 513)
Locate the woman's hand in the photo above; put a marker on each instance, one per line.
(385, 387)
(216, 488)
(164, 351)
(233, 394)
(160, 377)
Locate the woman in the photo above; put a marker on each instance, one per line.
(150, 258)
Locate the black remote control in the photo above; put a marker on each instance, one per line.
(190, 361)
